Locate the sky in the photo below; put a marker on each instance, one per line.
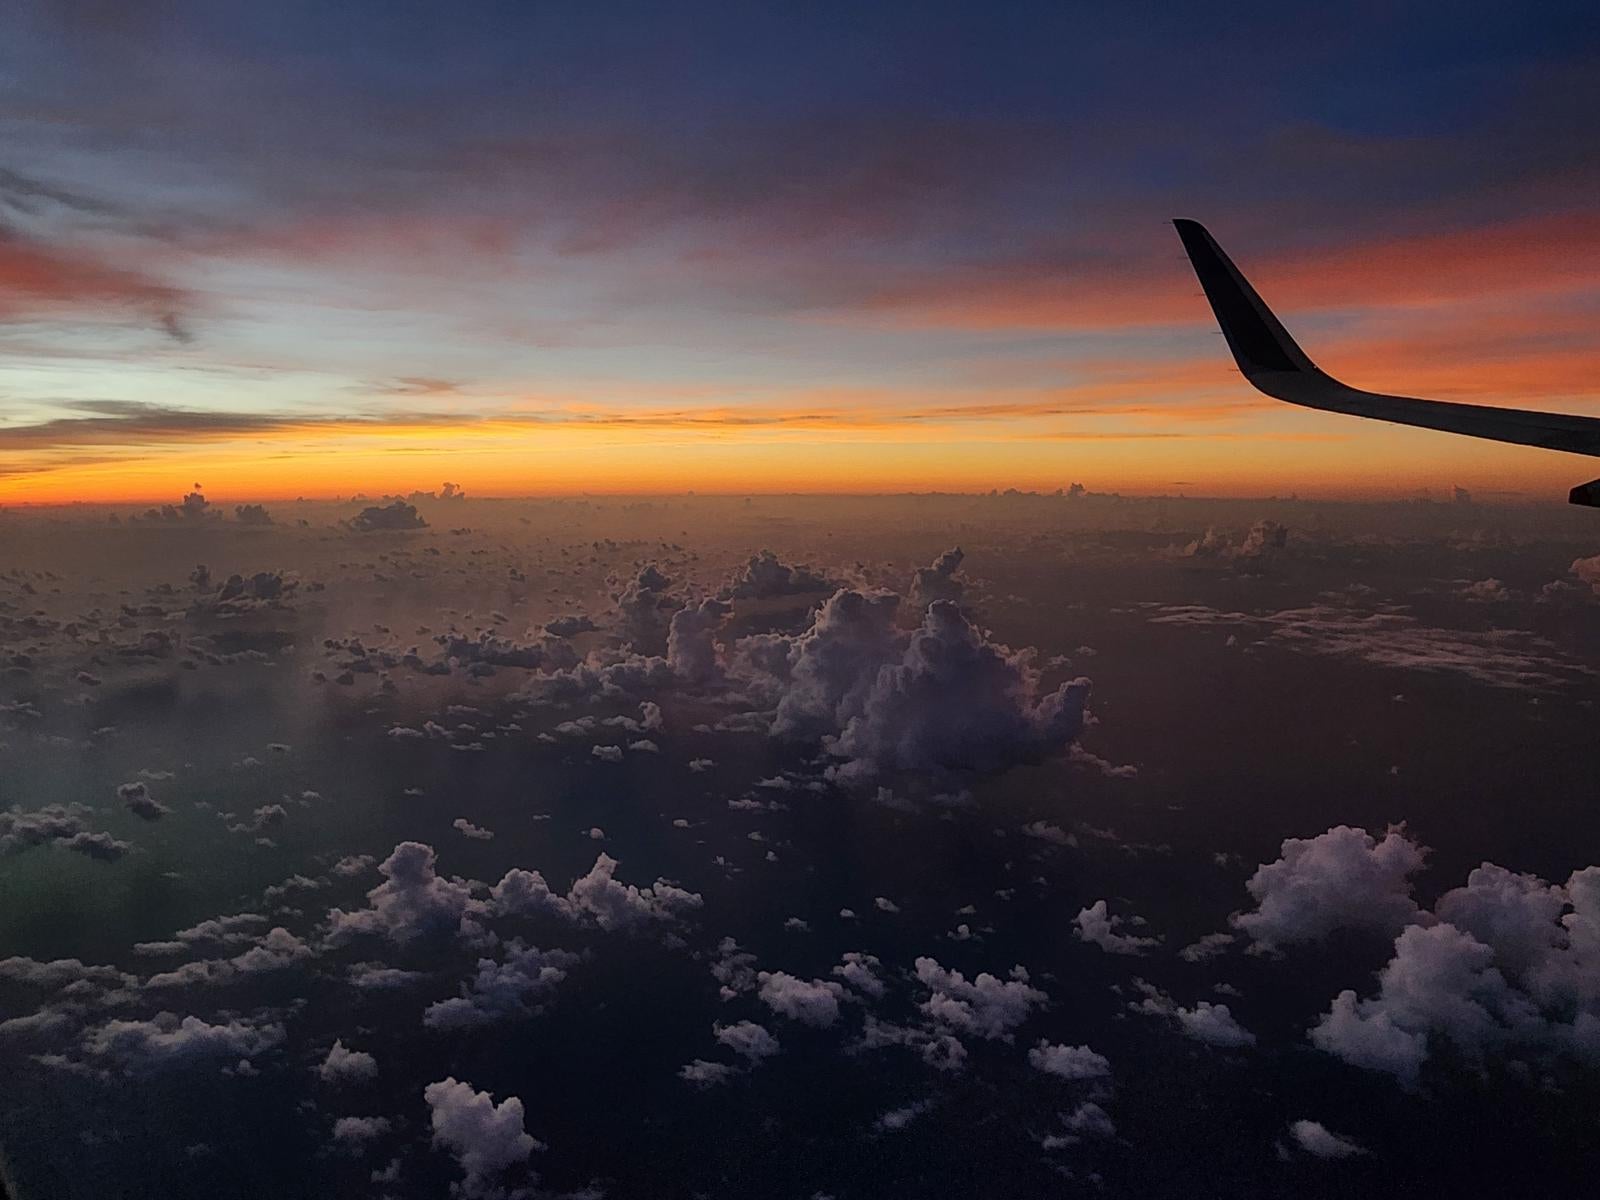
(303, 249)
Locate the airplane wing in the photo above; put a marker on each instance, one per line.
(1274, 364)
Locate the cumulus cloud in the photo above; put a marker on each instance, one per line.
(252, 514)
(814, 1002)
(831, 666)
(939, 581)
(1315, 1138)
(691, 644)
(956, 700)
(613, 905)
(168, 1040)
(597, 898)
(1511, 965)
(486, 1138)
(397, 515)
(1068, 1062)
(57, 824)
(1097, 926)
(765, 577)
(704, 1073)
(505, 989)
(347, 1066)
(748, 1040)
(862, 972)
(356, 1132)
(136, 796)
(644, 606)
(1342, 879)
(987, 1006)
(411, 902)
(1213, 1024)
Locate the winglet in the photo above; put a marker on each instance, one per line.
(1259, 342)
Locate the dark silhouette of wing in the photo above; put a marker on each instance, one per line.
(1274, 364)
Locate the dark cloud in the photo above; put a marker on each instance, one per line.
(397, 515)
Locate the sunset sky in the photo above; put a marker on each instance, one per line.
(314, 249)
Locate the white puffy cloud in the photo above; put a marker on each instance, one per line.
(691, 639)
(1069, 1062)
(1341, 879)
(747, 1039)
(1097, 926)
(1510, 965)
(814, 1002)
(140, 802)
(355, 1132)
(833, 664)
(643, 607)
(597, 898)
(1213, 1024)
(956, 700)
(862, 972)
(413, 901)
(62, 825)
(347, 1066)
(765, 577)
(486, 1138)
(503, 989)
(704, 1073)
(986, 1006)
(1315, 1138)
(614, 905)
(939, 580)
(168, 1040)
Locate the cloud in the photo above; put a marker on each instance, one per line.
(169, 1041)
(813, 1003)
(1505, 658)
(1068, 1062)
(356, 1132)
(765, 577)
(140, 802)
(644, 606)
(1315, 1138)
(347, 1066)
(397, 515)
(486, 1138)
(614, 905)
(938, 581)
(956, 700)
(747, 1039)
(44, 281)
(1512, 966)
(413, 901)
(691, 648)
(503, 990)
(861, 971)
(1213, 1024)
(986, 1006)
(704, 1073)
(1341, 879)
(597, 898)
(1098, 927)
(57, 824)
(832, 665)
